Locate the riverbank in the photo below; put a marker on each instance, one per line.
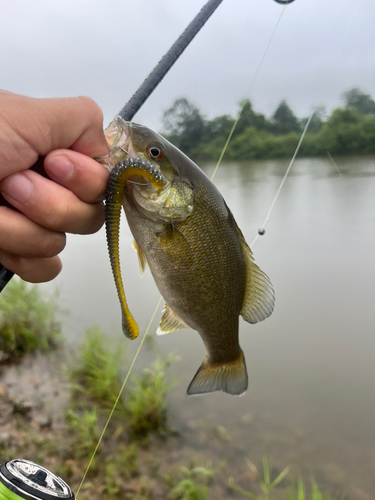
(40, 422)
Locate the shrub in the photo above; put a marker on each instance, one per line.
(27, 320)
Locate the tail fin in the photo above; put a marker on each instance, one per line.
(228, 377)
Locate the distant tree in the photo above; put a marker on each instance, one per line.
(184, 124)
(360, 101)
(219, 127)
(343, 131)
(340, 116)
(249, 118)
(284, 120)
(317, 119)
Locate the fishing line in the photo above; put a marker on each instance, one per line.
(261, 231)
(250, 88)
(285, 176)
(332, 160)
(118, 397)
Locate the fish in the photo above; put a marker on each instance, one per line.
(186, 234)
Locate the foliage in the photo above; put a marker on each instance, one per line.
(190, 483)
(267, 485)
(300, 492)
(146, 404)
(348, 130)
(184, 124)
(97, 374)
(124, 467)
(86, 430)
(284, 120)
(360, 101)
(27, 320)
(97, 371)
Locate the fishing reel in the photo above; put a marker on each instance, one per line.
(24, 480)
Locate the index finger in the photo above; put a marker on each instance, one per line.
(34, 127)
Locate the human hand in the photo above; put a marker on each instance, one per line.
(68, 132)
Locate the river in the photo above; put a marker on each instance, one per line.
(311, 397)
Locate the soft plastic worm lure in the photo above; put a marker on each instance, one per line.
(116, 184)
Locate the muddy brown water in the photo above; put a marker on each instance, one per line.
(311, 397)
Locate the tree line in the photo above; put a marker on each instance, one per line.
(348, 130)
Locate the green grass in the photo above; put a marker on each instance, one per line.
(97, 371)
(28, 320)
(299, 492)
(86, 430)
(190, 483)
(268, 485)
(98, 374)
(145, 404)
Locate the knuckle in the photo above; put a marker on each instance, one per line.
(40, 270)
(52, 244)
(92, 107)
(32, 270)
(94, 220)
(60, 216)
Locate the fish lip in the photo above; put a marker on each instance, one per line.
(118, 137)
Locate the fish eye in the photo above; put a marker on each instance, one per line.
(155, 152)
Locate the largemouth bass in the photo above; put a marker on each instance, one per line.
(197, 254)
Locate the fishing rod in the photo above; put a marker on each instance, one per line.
(150, 83)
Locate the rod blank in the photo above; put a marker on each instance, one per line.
(167, 61)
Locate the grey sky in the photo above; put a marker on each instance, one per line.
(105, 49)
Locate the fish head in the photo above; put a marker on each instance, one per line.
(175, 201)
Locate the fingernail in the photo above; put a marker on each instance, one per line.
(59, 167)
(18, 187)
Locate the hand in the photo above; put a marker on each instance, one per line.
(68, 132)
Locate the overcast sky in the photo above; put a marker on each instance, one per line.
(105, 49)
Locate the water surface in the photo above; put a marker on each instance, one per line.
(311, 400)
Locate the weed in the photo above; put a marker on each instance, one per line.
(190, 483)
(300, 494)
(146, 404)
(146, 490)
(85, 429)
(27, 320)
(98, 371)
(112, 480)
(267, 486)
(127, 461)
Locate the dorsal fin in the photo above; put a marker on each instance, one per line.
(259, 300)
(170, 322)
(141, 257)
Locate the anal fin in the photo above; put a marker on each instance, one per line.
(170, 322)
(141, 257)
(227, 377)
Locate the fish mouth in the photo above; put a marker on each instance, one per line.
(119, 143)
(173, 203)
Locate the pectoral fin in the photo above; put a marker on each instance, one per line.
(141, 257)
(170, 322)
(259, 300)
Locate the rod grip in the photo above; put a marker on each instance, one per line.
(5, 277)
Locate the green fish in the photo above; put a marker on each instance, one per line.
(197, 254)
